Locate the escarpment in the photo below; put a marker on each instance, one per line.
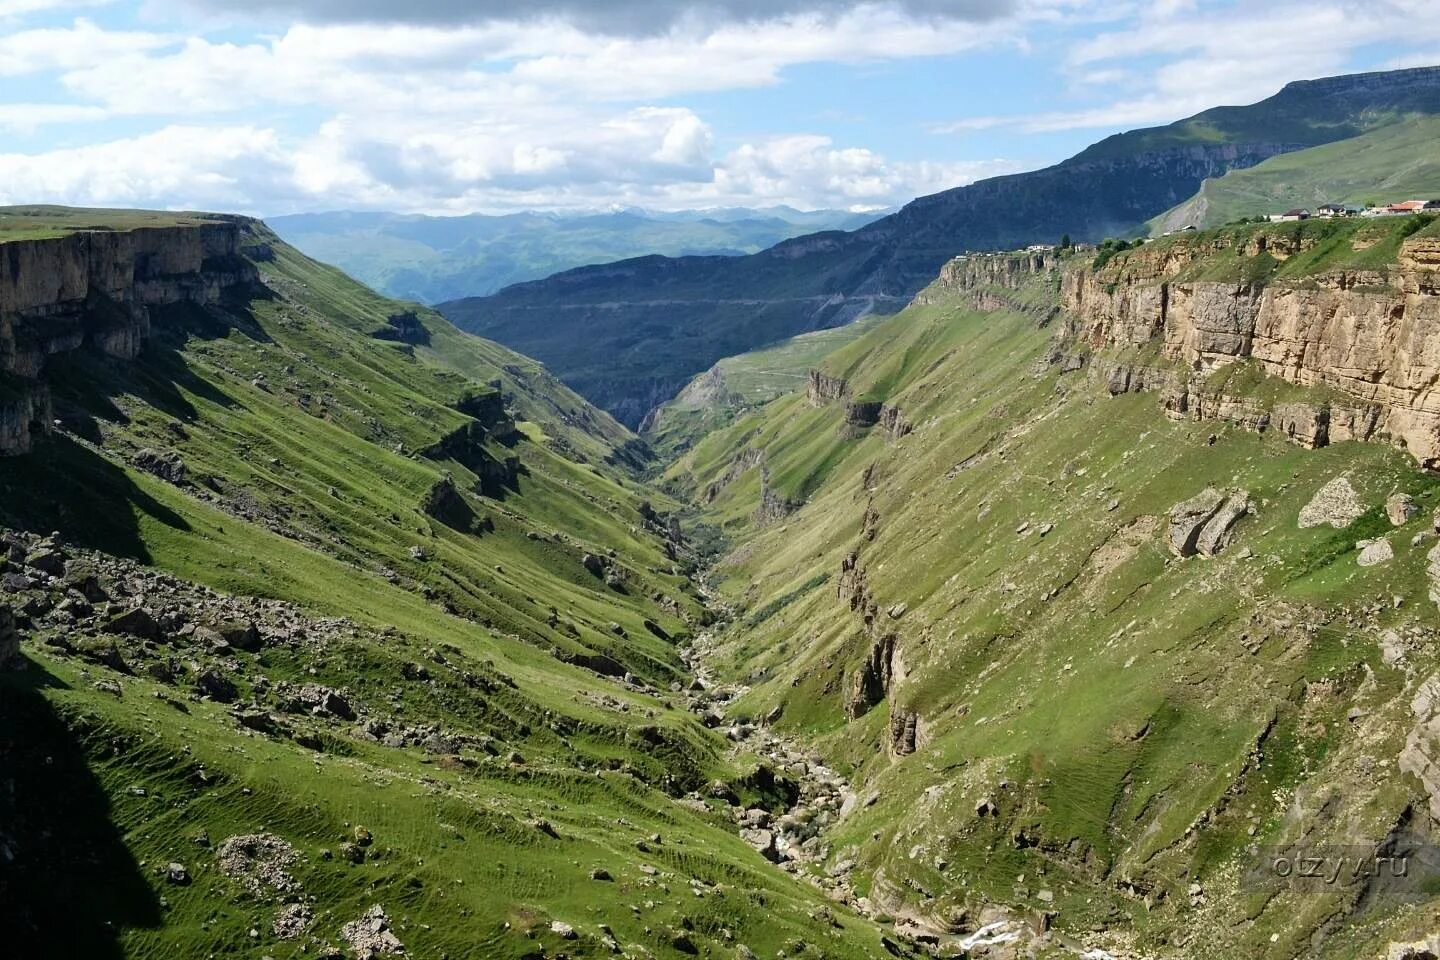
(1367, 340)
(95, 290)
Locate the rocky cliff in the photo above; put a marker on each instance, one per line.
(1368, 339)
(95, 289)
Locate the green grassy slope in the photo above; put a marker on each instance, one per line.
(1396, 162)
(1136, 721)
(303, 438)
(735, 384)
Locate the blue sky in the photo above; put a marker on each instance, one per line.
(452, 106)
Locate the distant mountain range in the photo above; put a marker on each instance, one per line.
(441, 258)
(629, 335)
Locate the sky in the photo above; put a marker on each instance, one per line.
(458, 106)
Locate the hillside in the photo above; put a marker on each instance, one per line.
(1395, 162)
(1105, 583)
(629, 336)
(327, 629)
(736, 384)
(430, 259)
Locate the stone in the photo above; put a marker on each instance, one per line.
(562, 930)
(16, 582)
(166, 465)
(215, 685)
(600, 873)
(594, 563)
(1203, 523)
(259, 862)
(1401, 508)
(177, 874)
(1374, 552)
(240, 634)
(46, 561)
(292, 921)
(371, 936)
(135, 622)
(1216, 532)
(762, 840)
(1427, 949)
(1336, 504)
(1421, 753)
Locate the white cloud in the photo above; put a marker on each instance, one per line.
(194, 167)
(1209, 61)
(496, 116)
(72, 48)
(30, 117)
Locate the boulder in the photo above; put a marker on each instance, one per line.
(1216, 532)
(1374, 552)
(166, 465)
(135, 622)
(762, 840)
(240, 634)
(1203, 523)
(46, 561)
(215, 685)
(1401, 508)
(1336, 504)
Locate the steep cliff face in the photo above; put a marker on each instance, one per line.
(1370, 337)
(95, 289)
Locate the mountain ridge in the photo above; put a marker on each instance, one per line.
(825, 279)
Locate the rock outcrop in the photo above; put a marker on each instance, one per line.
(747, 459)
(1368, 336)
(773, 504)
(1421, 755)
(821, 389)
(870, 682)
(96, 289)
(404, 327)
(1203, 523)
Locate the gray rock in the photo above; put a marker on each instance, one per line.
(1336, 504)
(1401, 508)
(1188, 518)
(1374, 552)
(47, 561)
(177, 874)
(166, 465)
(1203, 523)
(371, 936)
(135, 622)
(762, 840)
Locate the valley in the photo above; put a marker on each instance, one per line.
(937, 587)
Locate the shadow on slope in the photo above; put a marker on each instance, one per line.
(68, 884)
